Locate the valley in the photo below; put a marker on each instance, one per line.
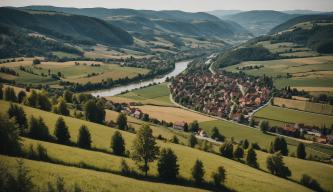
(122, 99)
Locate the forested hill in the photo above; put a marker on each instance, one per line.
(300, 19)
(65, 26)
(313, 31)
(156, 22)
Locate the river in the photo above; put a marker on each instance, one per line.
(179, 67)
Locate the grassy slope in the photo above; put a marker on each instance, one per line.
(240, 132)
(239, 177)
(89, 180)
(281, 115)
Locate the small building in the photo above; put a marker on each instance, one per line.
(321, 139)
(180, 125)
(202, 133)
(137, 114)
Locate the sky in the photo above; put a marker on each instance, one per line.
(185, 5)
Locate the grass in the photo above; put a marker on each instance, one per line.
(173, 114)
(280, 116)
(88, 180)
(240, 132)
(288, 49)
(306, 72)
(239, 176)
(155, 95)
(71, 72)
(304, 106)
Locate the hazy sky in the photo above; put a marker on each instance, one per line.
(186, 5)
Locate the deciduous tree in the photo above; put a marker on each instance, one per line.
(145, 149)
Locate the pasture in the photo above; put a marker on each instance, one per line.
(302, 72)
(88, 180)
(156, 95)
(304, 106)
(252, 179)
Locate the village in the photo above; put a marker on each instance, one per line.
(225, 95)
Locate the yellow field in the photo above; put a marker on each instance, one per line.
(304, 105)
(173, 114)
(315, 89)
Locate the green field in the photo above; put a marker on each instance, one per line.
(73, 71)
(279, 116)
(88, 180)
(239, 176)
(304, 106)
(156, 95)
(305, 72)
(288, 49)
(239, 132)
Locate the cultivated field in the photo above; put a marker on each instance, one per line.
(279, 116)
(304, 106)
(72, 71)
(288, 49)
(155, 95)
(305, 72)
(173, 114)
(251, 179)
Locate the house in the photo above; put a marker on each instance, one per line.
(257, 101)
(180, 125)
(290, 129)
(137, 114)
(237, 117)
(202, 133)
(321, 139)
(314, 132)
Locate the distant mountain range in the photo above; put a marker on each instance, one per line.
(147, 23)
(260, 22)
